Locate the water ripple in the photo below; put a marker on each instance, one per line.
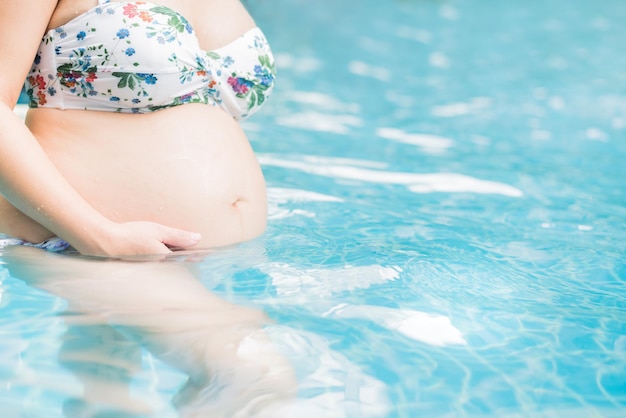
(418, 183)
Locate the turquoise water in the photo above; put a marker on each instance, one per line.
(447, 232)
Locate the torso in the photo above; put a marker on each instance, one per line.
(188, 166)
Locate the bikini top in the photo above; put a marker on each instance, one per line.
(139, 57)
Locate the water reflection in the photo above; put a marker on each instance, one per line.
(117, 308)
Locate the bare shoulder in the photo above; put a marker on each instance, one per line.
(218, 26)
(23, 23)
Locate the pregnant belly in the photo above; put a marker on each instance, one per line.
(189, 167)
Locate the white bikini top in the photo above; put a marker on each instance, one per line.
(139, 57)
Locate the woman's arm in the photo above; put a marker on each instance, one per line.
(29, 180)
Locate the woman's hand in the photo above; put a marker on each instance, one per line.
(138, 238)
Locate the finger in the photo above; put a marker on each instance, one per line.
(177, 238)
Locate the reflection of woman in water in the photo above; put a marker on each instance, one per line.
(131, 147)
(232, 365)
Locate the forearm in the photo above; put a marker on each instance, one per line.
(29, 180)
(31, 183)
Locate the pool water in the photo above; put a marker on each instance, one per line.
(447, 219)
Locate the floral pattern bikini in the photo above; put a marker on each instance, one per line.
(139, 57)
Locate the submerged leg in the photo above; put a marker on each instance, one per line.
(104, 361)
(220, 345)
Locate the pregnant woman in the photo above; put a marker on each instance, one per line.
(131, 146)
(132, 129)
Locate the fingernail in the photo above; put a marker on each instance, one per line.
(196, 237)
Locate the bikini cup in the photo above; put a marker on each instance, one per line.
(139, 57)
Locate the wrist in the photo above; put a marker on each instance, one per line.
(95, 239)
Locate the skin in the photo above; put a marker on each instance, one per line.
(115, 308)
(128, 185)
(118, 184)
